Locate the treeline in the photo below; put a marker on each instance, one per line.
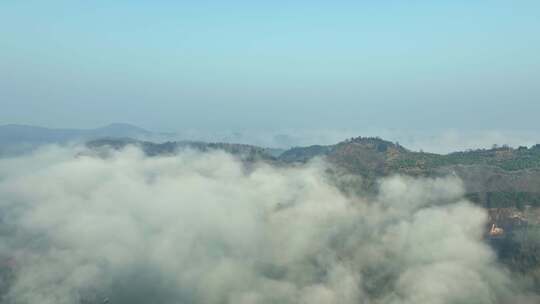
(506, 199)
(504, 157)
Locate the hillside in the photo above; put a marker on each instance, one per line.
(367, 154)
(493, 177)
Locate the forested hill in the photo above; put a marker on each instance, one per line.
(388, 157)
(498, 177)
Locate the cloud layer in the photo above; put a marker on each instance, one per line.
(205, 228)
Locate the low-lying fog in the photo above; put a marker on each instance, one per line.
(205, 228)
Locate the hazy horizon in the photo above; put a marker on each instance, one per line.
(241, 66)
(435, 141)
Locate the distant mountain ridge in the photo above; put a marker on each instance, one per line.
(16, 138)
(13, 133)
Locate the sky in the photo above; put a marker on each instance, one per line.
(210, 66)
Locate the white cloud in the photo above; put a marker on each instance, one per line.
(203, 228)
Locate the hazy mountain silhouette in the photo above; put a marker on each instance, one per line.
(16, 138)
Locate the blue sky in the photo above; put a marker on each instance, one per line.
(253, 65)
